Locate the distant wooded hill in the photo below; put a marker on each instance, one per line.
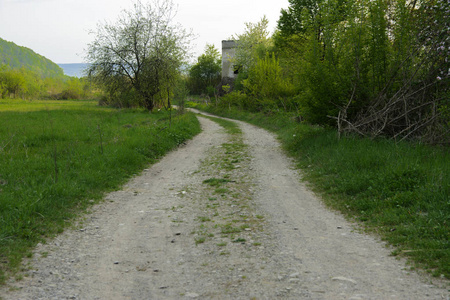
(15, 57)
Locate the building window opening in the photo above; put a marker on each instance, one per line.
(236, 69)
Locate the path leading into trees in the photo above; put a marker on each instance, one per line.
(223, 217)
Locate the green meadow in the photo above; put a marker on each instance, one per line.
(398, 190)
(59, 157)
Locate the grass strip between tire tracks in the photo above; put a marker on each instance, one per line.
(228, 215)
(400, 191)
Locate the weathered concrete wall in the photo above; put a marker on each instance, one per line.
(228, 51)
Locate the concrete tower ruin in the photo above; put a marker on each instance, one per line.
(228, 52)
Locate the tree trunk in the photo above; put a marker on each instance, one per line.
(148, 103)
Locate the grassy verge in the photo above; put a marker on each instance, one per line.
(398, 190)
(56, 158)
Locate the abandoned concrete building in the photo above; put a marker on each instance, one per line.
(228, 51)
(229, 69)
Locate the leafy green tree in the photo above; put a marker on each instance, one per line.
(297, 17)
(206, 73)
(181, 92)
(253, 44)
(140, 54)
(13, 82)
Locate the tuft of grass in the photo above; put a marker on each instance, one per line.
(239, 240)
(216, 181)
(399, 190)
(229, 229)
(221, 191)
(200, 240)
(204, 219)
(59, 157)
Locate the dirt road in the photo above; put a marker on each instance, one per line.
(224, 217)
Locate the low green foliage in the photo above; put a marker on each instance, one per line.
(401, 191)
(266, 81)
(57, 157)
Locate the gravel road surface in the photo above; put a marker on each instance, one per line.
(226, 216)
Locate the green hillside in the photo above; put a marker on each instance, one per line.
(16, 57)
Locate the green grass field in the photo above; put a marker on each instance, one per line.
(58, 157)
(400, 191)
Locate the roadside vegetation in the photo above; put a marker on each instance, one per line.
(358, 92)
(399, 191)
(59, 157)
(372, 68)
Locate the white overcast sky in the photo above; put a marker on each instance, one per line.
(59, 29)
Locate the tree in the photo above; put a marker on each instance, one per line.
(295, 19)
(140, 55)
(12, 82)
(206, 73)
(253, 44)
(377, 67)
